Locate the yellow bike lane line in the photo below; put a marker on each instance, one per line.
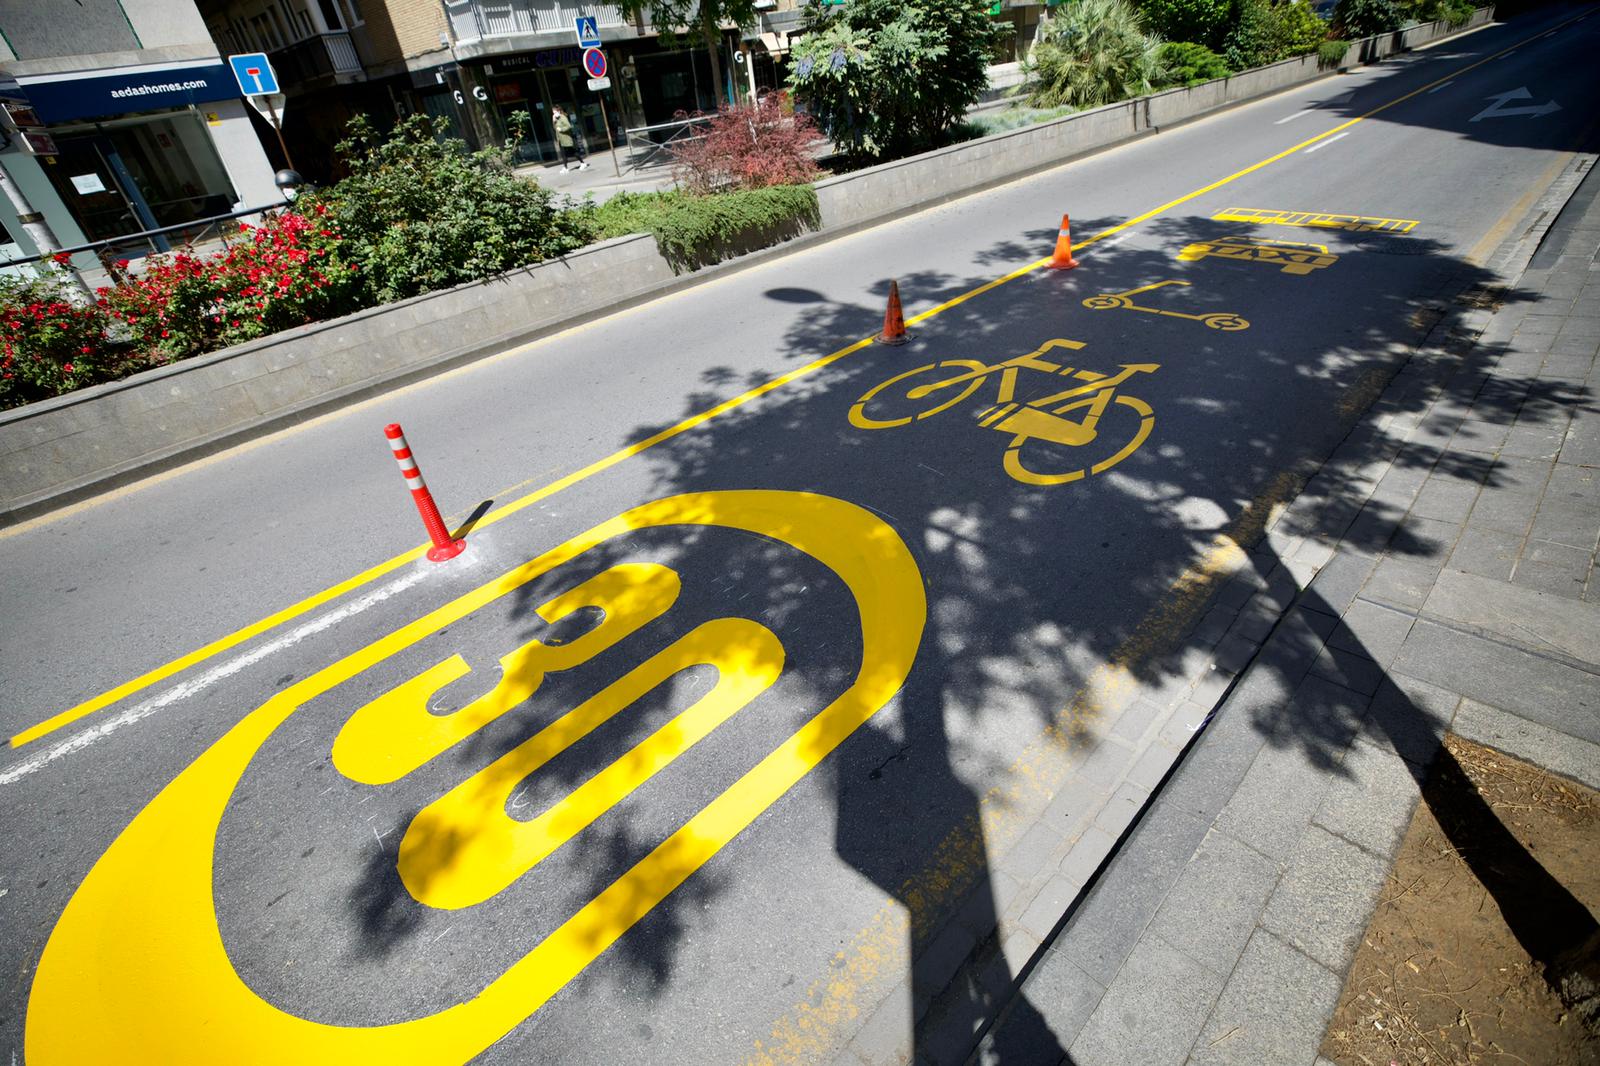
(232, 640)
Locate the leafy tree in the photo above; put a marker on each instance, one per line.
(702, 17)
(1363, 18)
(889, 77)
(1265, 31)
(1300, 30)
(1204, 22)
(1186, 63)
(1455, 12)
(1093, 53)
(1253, 40)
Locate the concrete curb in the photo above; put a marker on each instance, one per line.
(73, 447)
(1256, 622)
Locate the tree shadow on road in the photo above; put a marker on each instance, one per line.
(1035, 592)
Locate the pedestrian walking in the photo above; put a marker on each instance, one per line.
(570, 146)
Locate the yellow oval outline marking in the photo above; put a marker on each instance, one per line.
(136, 971)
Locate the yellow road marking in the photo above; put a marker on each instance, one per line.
(1290, 257)
(399, 731)
(136, 970)
(1267, 216)
(1491, 240)
(1007, 811)
(464, 848)
(1109, 301)
(311, 603)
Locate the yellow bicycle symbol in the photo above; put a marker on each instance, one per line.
(884, 406)
(1222, 320)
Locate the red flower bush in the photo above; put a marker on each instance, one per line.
(750, 146)
(282, 274)
(50, 344)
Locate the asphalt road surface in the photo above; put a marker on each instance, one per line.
(736, 686)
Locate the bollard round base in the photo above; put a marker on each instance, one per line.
(894, 339)
(1067, 265)
(449, 551)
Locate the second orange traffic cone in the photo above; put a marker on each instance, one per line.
(1063, 260)
(894, 321)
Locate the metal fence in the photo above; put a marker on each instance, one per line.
(113, 249)
(645, 143)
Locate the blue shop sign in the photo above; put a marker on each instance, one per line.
(65, 99)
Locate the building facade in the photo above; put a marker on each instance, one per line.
(476, 64)
(144, 117)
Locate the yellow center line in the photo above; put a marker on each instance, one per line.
(311, 603)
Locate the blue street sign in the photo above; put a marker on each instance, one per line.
(594, 61)
(588, 27)
(254, 74)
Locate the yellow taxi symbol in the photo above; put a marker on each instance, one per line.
(1292, 257)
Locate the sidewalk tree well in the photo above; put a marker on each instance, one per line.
(886, 78)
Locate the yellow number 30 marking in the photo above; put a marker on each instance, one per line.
(136, 970)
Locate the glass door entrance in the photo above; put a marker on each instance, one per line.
(139, 173)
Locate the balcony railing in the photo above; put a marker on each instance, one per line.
(474, 19)
(319, 56)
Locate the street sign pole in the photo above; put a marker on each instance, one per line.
(277, 127)
(594, 62)
(258, 84)
(615, 162)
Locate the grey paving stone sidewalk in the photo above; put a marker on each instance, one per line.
(1443, 578)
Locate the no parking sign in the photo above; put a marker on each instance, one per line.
(594, 61)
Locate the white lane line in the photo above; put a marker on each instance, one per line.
(221, 672)
(1291, 118)
(1323, 144)
(1112, 241)
(1445, 85)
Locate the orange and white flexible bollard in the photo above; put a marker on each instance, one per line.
(443, 547)
(1063, 260)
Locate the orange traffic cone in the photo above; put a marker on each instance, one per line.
(894, 322)
(1063, 260)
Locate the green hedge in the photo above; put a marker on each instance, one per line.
(695, 231)
(1187, 63)
(1332, 53)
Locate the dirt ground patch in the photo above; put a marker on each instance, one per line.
(1440, 976)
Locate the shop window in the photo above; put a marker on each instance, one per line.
(140, 172)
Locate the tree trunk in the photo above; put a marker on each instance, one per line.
(713, 39)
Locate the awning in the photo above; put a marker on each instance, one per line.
(65, 97)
